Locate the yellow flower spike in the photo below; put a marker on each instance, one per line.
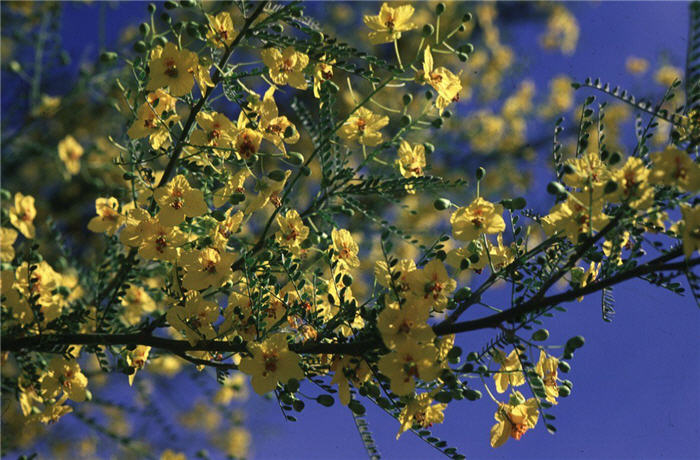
(404, 267)
(221, 32)
(292, 231)
(22, 215)
(271, 362)
(389, 23)
(510, 372)
(323, 71)
(364, 126)
(346, 370)
(8, 237)
(406, 324)
(691, 229)
(195, 318)
(547, 368)
(674, 167)
(408, 362)
(345, 249)
(446, 83)
(108, 219)
(286, 66)
(420, 411)
(178, 200)
(514, 420)
(634, 185)
(205, 268)
(432, 284)
(172, 70)
(70, 152)
(64, 376)
(226, 228)
(480, 217)
(136, 358)
(276, 129)
(234, 184)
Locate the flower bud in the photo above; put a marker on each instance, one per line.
(441, 204)
(440, 8)
(407, 98)
(428, 30)
(480, 173)
(277, 175)
(295, 158)
(555, 188)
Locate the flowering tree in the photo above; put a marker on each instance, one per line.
(270, 203)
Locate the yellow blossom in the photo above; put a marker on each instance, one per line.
(159, 241)
(403, 267)
(587, 172)
(136, 358)
(389, 23)
(636, 65)
(64, 376)
(286, 66)
(634, 186)
(432, 284)
(108, 219)
(547, 369)
(22, 215)
(268, 192)
(514, 419)
(178, 199)
(195, 318)
(409, 323)
(323, 71)
(478, 218)
(292, 231)
(221, 31)
(69, 151)
(153, 119)
(136, 303)
(562, 31)
(667, 74)
(247, 140)
(420, 411)
(7, 239)
(510, 372)
(234, 184)
(346, 370)
(345, 249)
(408, 362)
(275, 128)
(674, 167)
(170, 67)
(411, 161)
(364, 126)
(447, 84)
(205, 268)
(271, 362)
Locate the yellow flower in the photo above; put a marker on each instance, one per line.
(216, 130)
(345, 249)
(562, 31)
(691, 229)
(221, 32)
(160, 242)
(514, 419)
(234, 184)
(108, 219)
(419, 411)
(7, 239)
(674, 167)
(389, 23)
(403, 267)
(411, 161)
(226, 228)
(136, 358)
(177, 200)
(195, 318)
(286, 66)
(447, 84)
(636, 65)
(276, 129)
(205, 268)
(346, 370)
(271, 362)
(364, 126)
(667, 74)
(69, 151)
(588, 171)
(153, 119)
(634, 186)
(171, 68)
(476, 219)
(172, 455)
(136, 303)
(323, 71)
(573, 216)
(268, 191)
(23, 214)
(432, 284)
(237, 442)
(64, 376)
(406, 324)
(247, 140)
(408, 362)
(292, 231)
(547, 369)
(510, 372)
